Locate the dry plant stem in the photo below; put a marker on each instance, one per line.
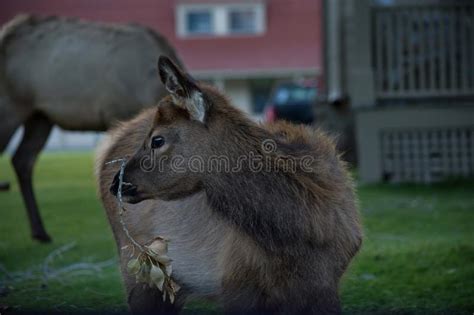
(55, 253)
(150, 267)
(123, 162)
(45, 272)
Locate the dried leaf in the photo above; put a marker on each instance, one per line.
(163, 259)
(144, 274)
(159, 246)
(168, 270)
(157, 277)
(174, 286)
(133, 266)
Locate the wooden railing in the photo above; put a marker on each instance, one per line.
(424, 51)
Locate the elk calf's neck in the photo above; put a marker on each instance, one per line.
(271, 208)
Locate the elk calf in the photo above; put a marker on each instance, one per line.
(271, 231)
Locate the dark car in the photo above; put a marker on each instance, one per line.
(292, 101)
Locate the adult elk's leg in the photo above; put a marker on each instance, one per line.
(4, 186)
(9, 122)
(37, 129)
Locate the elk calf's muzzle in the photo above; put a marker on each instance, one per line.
(128, 189)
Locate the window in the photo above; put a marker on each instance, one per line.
(242, 21)
(199, 22)
(220, 19)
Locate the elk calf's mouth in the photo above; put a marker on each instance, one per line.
(128, 189)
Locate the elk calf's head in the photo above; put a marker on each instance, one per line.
(160, 169)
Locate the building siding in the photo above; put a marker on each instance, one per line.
(292, 40)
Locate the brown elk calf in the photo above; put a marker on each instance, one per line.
(272, 231)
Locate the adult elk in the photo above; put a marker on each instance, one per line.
(272, 231)
(74, 74)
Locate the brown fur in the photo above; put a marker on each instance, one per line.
(282, 240)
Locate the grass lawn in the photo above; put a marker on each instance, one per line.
(418, 255)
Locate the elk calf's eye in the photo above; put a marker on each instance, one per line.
(157, 142)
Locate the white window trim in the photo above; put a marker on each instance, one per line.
(220, 17)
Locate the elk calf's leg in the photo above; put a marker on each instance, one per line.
(37, 129)
(143, 299)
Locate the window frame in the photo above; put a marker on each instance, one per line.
(240, 9)
(199, 11)
(220, 19)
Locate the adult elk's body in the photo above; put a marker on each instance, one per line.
(75, 74)
(261, 240)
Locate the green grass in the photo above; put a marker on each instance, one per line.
(418, 254)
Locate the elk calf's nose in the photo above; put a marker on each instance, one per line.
(128, 189)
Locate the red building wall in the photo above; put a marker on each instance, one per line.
(293, 38)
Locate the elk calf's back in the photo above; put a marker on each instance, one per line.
(262, 218)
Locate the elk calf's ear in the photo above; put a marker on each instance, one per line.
(183, 88)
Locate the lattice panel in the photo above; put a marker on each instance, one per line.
(427, 155)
